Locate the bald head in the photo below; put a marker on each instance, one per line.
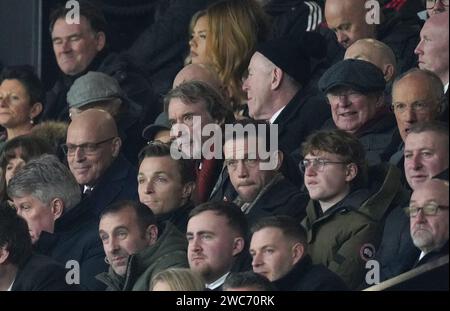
(433, 46)
(198, 72)
(375, 52)
(429, 231)
(347, 18)
(92, 145)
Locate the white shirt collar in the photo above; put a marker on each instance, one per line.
(275, 116)
(217, 283)
(10, 287)
(422, 254)
(445, 88)
(88, 188)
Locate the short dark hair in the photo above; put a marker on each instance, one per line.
(195, 92)
(236, 218)
(91, 12)
(144, 215)
(262, 130)
(248, 279)
(430, 126)
(14, 235)
(26, 75)
(288, 226)
(186, 167)
(343, 144)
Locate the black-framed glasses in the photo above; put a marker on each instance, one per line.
(429, 209)
(87, 148)
(432, 3)
(317, 164)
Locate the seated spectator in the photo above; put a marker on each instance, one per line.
(93, 153)
(135, 248)
(254, 167)
(348, 20)
(433, 50)
(199, 72)
(355, 92)
(198, 29)
(418, 96)
(247, 282)
(89, 53)
(177, 279)
(428, 212)
(278, 74)
(426, 156)
(20, 269)
(279, 251)
(16, 153)
(21, 98)
(158, 131)
(165, 185)
(47, 196)
(184, 103)
(100, 91)
(216, 234)
(342, 206)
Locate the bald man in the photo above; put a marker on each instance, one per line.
(349, 20)
(375, 52)
(198, 72)
(433, 47)
(428, 212)
(94, 158)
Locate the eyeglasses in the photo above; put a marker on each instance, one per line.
(317, 164)
(432, 3)
(87, 148)
(429, 209)
(416, 107)
(248, 163)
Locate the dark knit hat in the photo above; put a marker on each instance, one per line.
(293, 54)
(356, 74)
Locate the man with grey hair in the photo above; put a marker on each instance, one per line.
(47, 196)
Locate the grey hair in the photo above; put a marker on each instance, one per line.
(46, 178)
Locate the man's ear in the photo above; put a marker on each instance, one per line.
(297, 252)
(101, 40)
(116, 145)
(57, 206)
(4, 254)
(279, 158)
(277, 77)
(188, 189)
(389, 72)
(151, 234)
(351, 172)
(238, 245)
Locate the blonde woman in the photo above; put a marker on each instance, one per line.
(177, 279)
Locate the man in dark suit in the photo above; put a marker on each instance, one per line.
(20, 270)
(278, 248)
(93, 152)
(48, 197)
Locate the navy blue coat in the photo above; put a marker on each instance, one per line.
(41, 273)
(76, 238)
(118, 183)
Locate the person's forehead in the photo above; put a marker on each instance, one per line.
(178, 105)
(124, 218)
(165, 164)
(423, 140)
(412, 85)
(242, 144)
(62, 28)
(431, 192)
(209, 221)
(267, 235)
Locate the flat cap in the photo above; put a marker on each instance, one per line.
(356, 74)
(93, 87)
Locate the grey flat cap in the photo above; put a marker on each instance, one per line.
(93, 87)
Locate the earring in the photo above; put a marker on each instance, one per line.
(107, 261)
(31, 121)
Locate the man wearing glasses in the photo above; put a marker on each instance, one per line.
(436, 6)
(93, 154)
(428, 212)
(342, 234)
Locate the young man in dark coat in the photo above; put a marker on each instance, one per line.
(20, 269)
(279, 251)
(254, 166)
(47, 196)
